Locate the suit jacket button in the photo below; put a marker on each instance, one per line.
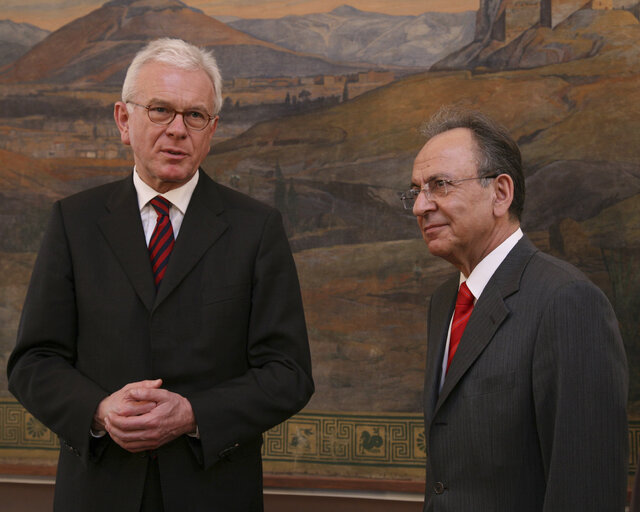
(439, 487)
(228, 451)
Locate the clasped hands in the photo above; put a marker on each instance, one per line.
(141, 416)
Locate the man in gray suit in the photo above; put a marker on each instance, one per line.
(526, 378)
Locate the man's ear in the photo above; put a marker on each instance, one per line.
(121, 115)
(214, 125)
(211, 129)
(503, 189)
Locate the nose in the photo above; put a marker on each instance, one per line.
(177, 127)
(423, 204)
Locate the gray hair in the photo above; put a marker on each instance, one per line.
(178, 53)
(497, 151)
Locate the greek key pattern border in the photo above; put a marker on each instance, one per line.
(343, 439)
(19, 430)
(348, 439)
(337, 439)
(634, 445)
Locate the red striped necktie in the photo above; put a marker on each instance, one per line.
(464, 308)
(162, 240)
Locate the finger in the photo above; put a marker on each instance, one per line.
(155, 383)
(137, 439)
(131, 424)
(136, 446)
(135, 408)
(149, 394)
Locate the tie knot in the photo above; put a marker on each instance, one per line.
(161, 205)
(465, 297)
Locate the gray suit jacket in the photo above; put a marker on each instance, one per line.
(532, 413)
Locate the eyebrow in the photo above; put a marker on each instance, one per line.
(165, 103)
(437, 176)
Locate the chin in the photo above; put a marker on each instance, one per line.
(439, 249)
(176, 174)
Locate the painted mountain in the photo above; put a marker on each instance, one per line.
(335, 173)
(366, 277)
(16, 39)
(513, 35)
(348, 34)
(97, 48)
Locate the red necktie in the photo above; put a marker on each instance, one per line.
(162, 240)
(464, 307)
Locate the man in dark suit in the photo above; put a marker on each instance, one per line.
(163, 329)
(526, 378)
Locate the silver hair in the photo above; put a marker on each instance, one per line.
(178, 53)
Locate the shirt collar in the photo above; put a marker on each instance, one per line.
(179, 197)
(484, 270)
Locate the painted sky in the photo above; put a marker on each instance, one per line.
(52, 14)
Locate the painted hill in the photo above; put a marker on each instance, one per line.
(19, 172)
(352, 160)
(26, 191)
(348, 34)
(586, 33)
(97, 48)
(335, 174)
(366, 274)
(16, 39)
(582, 33)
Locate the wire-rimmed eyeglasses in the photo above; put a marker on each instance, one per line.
(435, 188)
(161, 114)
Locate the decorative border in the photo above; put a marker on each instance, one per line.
(19, 430)
(634, 445)
(347, 439)
(311, 443)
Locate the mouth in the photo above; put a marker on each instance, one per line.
(432, 229)
(174, 153)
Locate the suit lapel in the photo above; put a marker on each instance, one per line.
(488, 314)
(200, 229)
(440, 311)
(122, 228)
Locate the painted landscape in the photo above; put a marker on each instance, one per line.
(321, 119)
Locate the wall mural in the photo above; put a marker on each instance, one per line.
(322, 106)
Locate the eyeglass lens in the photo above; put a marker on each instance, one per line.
(165, 115)
(433, 188)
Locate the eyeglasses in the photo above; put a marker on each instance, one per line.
(160, 114)
(435, 188)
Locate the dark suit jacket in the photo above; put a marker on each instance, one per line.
(226, 330)
(532, 414)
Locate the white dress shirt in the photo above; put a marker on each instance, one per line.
(479, 278)
(178, 197)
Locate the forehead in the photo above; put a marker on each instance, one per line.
(448, 154)
(181, 87)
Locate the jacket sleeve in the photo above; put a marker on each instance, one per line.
(278, 383)
(580, 394)
(41, 368)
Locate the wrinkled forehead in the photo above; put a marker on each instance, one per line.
(450, 154)
(159, 80)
